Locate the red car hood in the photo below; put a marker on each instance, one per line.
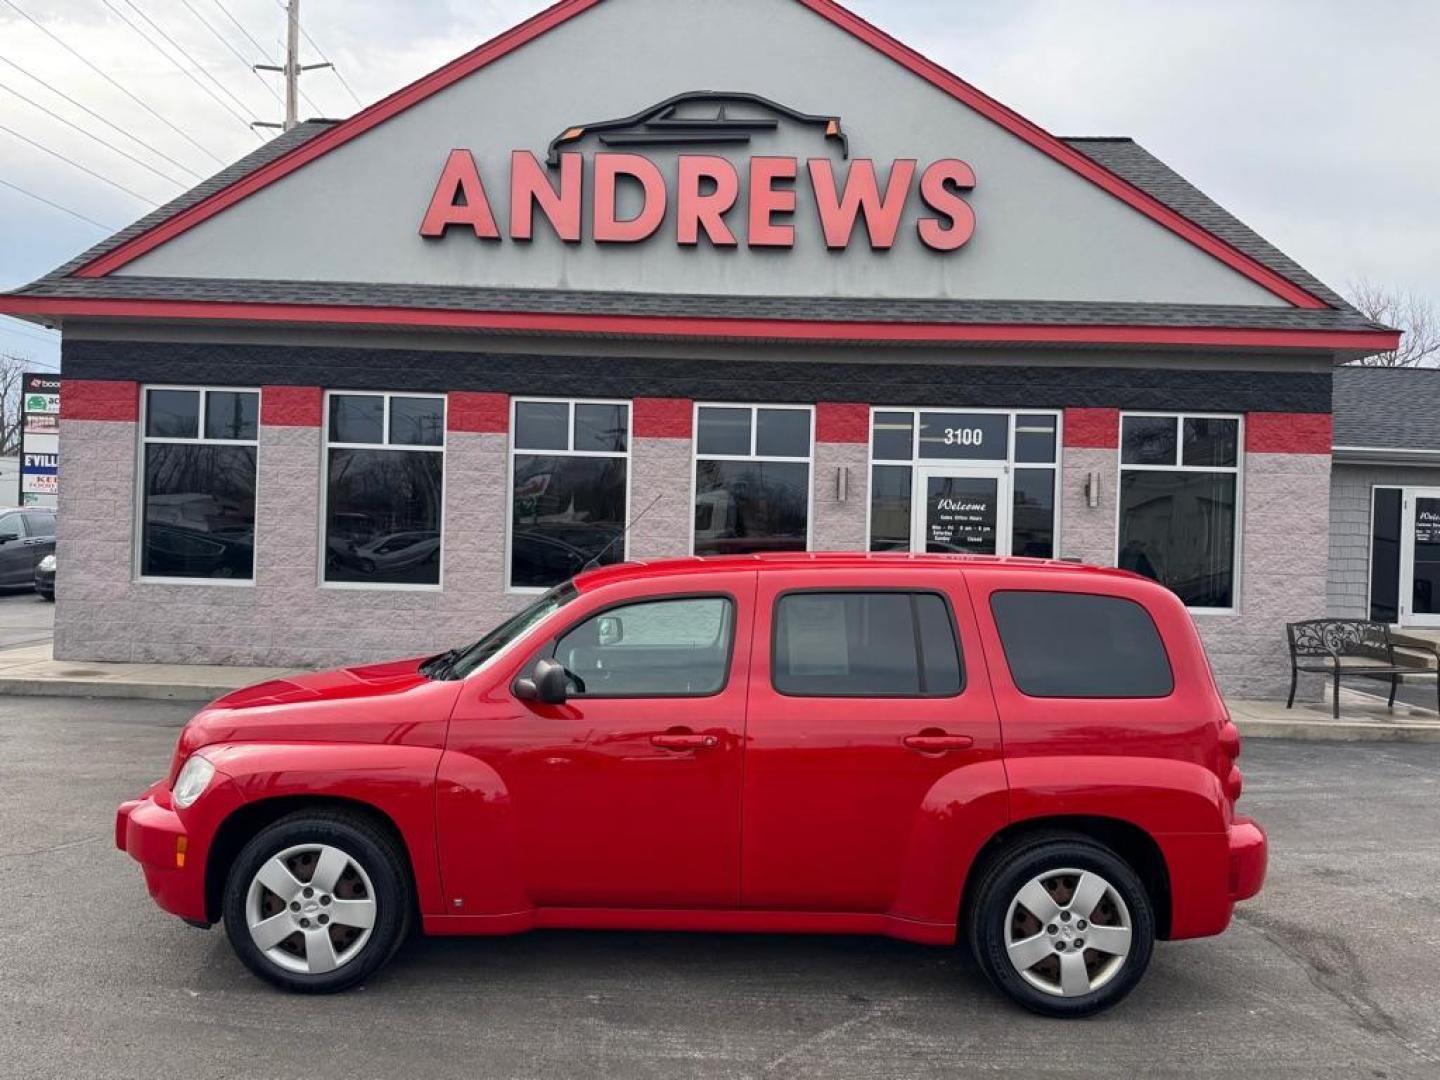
(373, 680)
(380, 703)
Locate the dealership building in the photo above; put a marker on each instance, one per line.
(743, 277)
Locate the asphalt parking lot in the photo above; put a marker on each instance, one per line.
(1332, 972)
(25, 619)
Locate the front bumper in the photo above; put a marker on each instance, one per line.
(172, 845)
(1249, 856)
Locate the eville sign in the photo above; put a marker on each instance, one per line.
(708, 188)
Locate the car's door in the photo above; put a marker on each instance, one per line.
(628, 794)
(16, 565)
(39, 536)
(872, 734)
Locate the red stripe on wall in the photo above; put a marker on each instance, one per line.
(839, 422)
(291, 406)
(663, 418)
(478, 413)
(90, 399)
(1288, 433)
(1095, 429)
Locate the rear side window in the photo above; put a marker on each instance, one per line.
(856, 644)
(1081, 646)
(40, 523)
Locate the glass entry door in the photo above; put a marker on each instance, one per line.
(1420, 558)
(961, 509)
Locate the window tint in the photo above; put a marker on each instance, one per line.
(723, 431)
(1081, 646)
(357, 418)
(1147, 440)
(10, 525)
(1179, 529)
(657, 648)
(231, 414)
(1385, 531)
(40, 523)
(172, 414)
(417, 421)
(865, 645)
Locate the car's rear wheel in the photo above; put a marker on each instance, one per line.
(317, 902)
(1062, 925)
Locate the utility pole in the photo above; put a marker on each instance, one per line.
(291, 70)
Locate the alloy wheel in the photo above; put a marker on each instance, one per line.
(1067, 932)
(310, 908)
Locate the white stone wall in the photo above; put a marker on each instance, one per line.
(661, 468)
(285, 617)
(1088, 533)
(837, 526)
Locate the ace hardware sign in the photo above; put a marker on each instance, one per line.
(40, 440)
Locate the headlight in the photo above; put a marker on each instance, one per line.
(47, 564)
(194, 777)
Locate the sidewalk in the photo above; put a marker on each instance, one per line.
(33, 671)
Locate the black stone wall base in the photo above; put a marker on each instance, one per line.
(1008, 386)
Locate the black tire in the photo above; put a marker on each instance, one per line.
(371, 850)
(1005, 876)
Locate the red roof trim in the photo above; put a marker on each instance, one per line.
(566, 10)
(684, 326)
(341, 133)
(1067, 155)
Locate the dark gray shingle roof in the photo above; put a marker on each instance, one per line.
(1387, 408)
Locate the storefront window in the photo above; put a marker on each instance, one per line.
(947, 447)
(1179, 499)
(569, 484)
(752, 478)
(198, 517)
(385, 489)
(1385, 526)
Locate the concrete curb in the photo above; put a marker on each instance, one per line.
(107, 688)
(1342, 731)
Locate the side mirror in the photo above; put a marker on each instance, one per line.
(5, 538)
(546, 684)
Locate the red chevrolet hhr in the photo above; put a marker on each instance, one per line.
(1029, 755)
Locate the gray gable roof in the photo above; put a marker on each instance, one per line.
(1122, 156)
(1379, 408)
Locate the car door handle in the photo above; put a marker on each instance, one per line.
(684, 740)
(938, 742)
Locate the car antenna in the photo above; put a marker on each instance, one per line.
(594, 562)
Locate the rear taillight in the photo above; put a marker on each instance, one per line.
(1230, 749)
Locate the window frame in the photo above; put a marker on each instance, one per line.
(696, 457)
(144, 440)
(552, 646)
(1238, 470)
(1010, 464)
(512, 450)
(861, 590)
(326, 446)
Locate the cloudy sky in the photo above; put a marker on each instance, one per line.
(1313, 120)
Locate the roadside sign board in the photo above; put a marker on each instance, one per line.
(40, 440)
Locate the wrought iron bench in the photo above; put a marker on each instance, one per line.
(1357, 647)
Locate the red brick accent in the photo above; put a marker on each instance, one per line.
(478, 413)
(88, 399)
(1095, 429)
(1288, 433)
(291, 406)
(663, 418)
(837, 422)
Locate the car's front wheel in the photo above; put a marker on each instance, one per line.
(317, 902)
(1063, 926)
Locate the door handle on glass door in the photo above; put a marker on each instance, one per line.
(937, 742)
(684, 740)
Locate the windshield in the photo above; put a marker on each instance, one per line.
(472, 658)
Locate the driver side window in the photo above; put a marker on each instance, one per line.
(655, 648)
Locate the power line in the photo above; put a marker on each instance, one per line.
(76, 164)
(103, 142)
(178, 66)
(199, 66)
(10, 324)
(321, 53)
(265, 53)
(234, 51)
(108, 123)
(138, 101)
